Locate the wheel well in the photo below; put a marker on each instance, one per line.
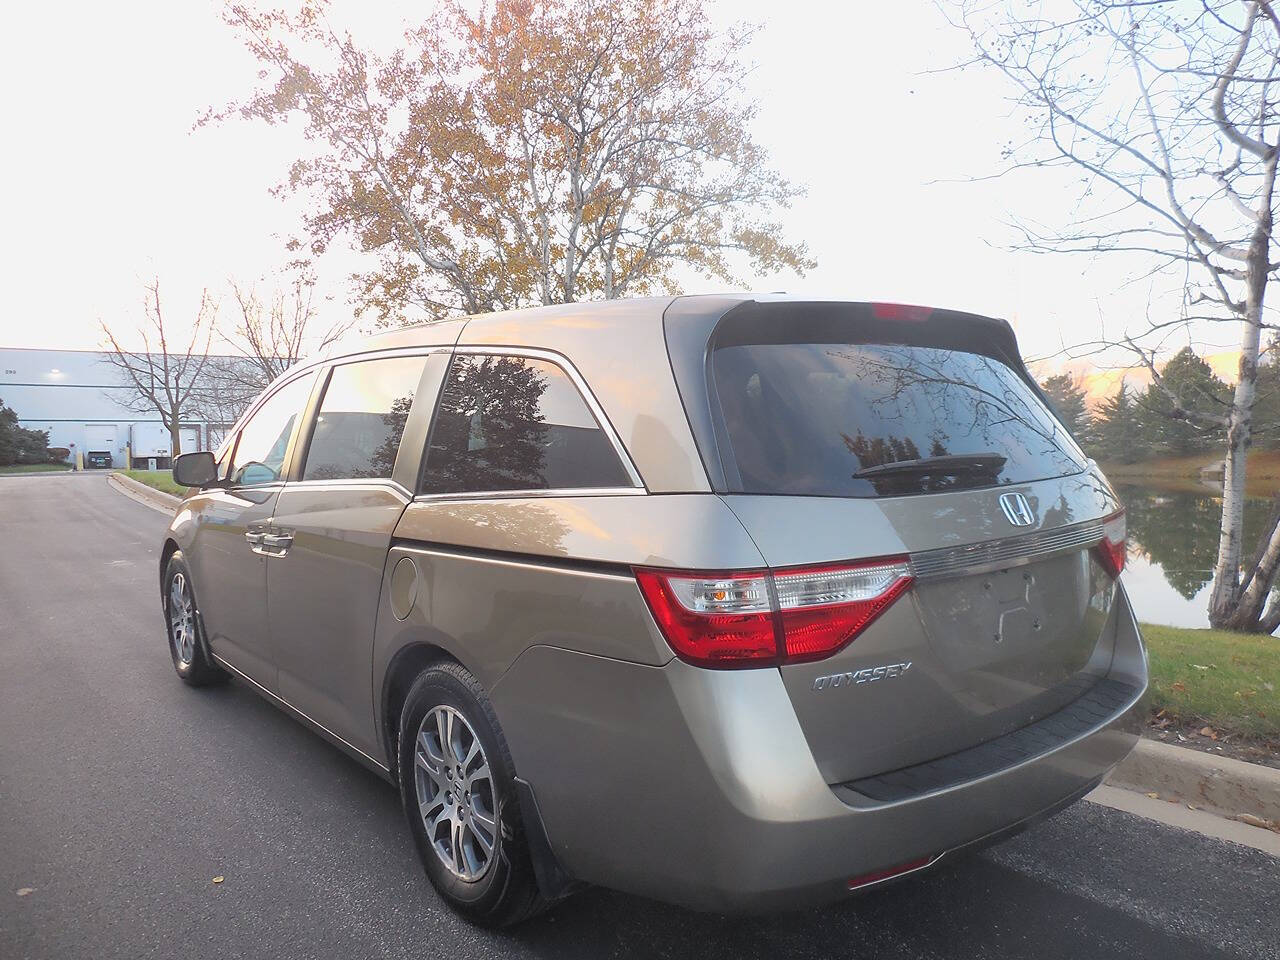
(403, 670)
(170, 548)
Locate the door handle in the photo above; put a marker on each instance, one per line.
(277, 544)
(255, 539)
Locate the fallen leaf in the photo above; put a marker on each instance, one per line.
(1253, 821)
(1192, 806)
(1208, 732)
(1154, 796)
(1160, 714)
(1179, 686)
(218, 879)
(1269, 687)
(26, 891)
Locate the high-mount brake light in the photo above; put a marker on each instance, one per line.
(901, 311)
(1111, 549)
(754, 618)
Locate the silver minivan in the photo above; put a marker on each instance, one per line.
(734, 602)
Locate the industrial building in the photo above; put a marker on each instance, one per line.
(83, 402)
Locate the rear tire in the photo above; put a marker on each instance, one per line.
(457, 784)
(187, 644)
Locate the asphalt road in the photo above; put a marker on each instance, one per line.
(123, 793)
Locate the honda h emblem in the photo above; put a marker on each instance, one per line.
(1016, 509)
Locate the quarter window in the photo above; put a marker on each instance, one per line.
(507, 423)
(264, 441)
(361, 419)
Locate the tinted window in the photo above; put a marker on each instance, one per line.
(514, 423)
(804, 418)
(361, 419)
(259, 456)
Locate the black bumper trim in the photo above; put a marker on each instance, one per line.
(1100, 704)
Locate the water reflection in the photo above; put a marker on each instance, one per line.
(1173, 541)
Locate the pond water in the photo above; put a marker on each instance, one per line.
(1173, 541)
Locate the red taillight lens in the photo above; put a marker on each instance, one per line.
(751, 618)
(713, 619)
(1111, 549)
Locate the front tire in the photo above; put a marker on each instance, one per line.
(457, 784)
(187, 645)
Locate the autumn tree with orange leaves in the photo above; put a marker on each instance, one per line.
(540, 151)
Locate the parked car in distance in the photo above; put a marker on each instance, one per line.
(98, 460)
(735, 602)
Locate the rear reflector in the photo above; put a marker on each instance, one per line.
(890, 872)
(1111, 549)
(754, 617)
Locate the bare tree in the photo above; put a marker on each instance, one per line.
(1168, 109)
(165, 382)
(266, 339)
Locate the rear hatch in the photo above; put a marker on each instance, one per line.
(843, 433)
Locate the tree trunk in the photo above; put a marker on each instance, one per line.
(175, 437)
(1233, 604)
(1223, 602)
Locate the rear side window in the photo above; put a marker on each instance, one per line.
(507, 423)
(812, 418)
(361, 419)
(264, 440)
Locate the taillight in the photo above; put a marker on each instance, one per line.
(1111, 548)
(713, 619)
(755, 617)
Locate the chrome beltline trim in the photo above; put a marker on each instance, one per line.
(1006, 552)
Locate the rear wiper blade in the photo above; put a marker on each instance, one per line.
(950, 464)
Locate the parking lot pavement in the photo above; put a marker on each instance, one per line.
(123, 794)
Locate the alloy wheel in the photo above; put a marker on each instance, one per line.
(454, 790)
(182, 620)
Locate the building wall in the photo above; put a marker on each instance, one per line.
(81, 399)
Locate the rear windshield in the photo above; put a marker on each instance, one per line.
(808, 418)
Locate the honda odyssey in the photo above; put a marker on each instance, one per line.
(734, 602)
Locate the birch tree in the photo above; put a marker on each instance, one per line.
(1167, 109)
(538, 151)
(165, 376)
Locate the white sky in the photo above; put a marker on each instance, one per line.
(108, 184)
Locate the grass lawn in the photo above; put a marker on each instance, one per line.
(159, 479)
(1263, 471)
(1229, 681)
(34, 467)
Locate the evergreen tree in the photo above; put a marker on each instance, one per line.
(18, 444)
(1117, 430)
(1193, 386)
(1067, 398)
(1266, 407)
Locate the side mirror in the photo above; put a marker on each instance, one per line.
(195, 469)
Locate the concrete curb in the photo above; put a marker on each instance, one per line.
(1221, 785)
(166, 503)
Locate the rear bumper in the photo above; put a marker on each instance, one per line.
(698, 786)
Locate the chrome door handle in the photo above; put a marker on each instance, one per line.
(255, 539)
(276, 544)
